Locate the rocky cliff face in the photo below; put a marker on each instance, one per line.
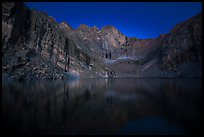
(182, 47)
(34, 45)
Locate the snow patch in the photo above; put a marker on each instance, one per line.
(121, 58)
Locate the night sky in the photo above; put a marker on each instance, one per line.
(138, 19)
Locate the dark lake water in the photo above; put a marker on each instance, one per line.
(103, 106)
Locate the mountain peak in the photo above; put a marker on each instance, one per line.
(108, 27)
(42, 48)
(83, 26)
(95, 28)
(65, 25)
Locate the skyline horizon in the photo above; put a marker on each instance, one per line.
(140, 29)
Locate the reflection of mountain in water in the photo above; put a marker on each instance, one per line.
(152, 125)
(101, 105)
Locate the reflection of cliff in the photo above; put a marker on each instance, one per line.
(175, 98)
(36, 46)
(99, 106)
(180, 99)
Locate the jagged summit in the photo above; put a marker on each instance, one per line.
(108, 27)
(84, 27)
(95, 28)
(65, 25)
(36, 46)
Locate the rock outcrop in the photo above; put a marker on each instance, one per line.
(182, 47)
(34, 46)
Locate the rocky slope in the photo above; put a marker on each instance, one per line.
(182, 48)
(34, 46)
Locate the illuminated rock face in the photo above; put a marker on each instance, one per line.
(34, 45)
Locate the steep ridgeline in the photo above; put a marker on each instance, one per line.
(34, 45)
(182, 49)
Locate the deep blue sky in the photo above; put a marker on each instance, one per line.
(139, 19)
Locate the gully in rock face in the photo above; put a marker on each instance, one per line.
(93, 52)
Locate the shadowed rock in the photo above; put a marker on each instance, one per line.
(32, 39)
